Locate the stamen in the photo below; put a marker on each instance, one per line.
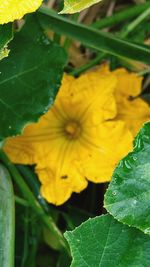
(72, 130)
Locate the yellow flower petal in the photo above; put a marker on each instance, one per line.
(57, 190)
(128, 84)
(134, 113)
(11, 10)
(77, 140)
(114, 140)
(131, 109)
(89, 93)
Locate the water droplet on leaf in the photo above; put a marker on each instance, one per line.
(127, 164)
(147, 231)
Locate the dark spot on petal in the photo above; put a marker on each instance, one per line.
(64, 176)
(131, 98)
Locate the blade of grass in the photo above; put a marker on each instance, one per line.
(95, 39)
(21, 201)
(33, 241)
(121, 16)
(143, 72)
(131, 26)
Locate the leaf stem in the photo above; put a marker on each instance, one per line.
(21, 201)
(26, 236)
(33, 183)
(88, 65)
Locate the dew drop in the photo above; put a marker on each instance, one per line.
(45, 40)
(138, 143)
(134, 158)
(51, 100)
(147, 231)
(127, 164)
(134, 202)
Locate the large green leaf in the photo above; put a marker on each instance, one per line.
(104, 242)
(73, 6)
(7, 215)
(29, 79)
(94, 38)
(128, 195)
(6, 35)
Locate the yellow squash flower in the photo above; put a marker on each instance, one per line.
(77, 140)
(11, 10)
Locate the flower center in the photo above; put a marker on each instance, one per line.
(72, 129)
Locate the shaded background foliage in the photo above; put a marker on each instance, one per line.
(34, 245)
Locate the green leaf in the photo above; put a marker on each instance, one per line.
(29, 79)
(6, 35)
(104, 242)
(7, 215)
(128, 195)
(73, 6)
(93, 38)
